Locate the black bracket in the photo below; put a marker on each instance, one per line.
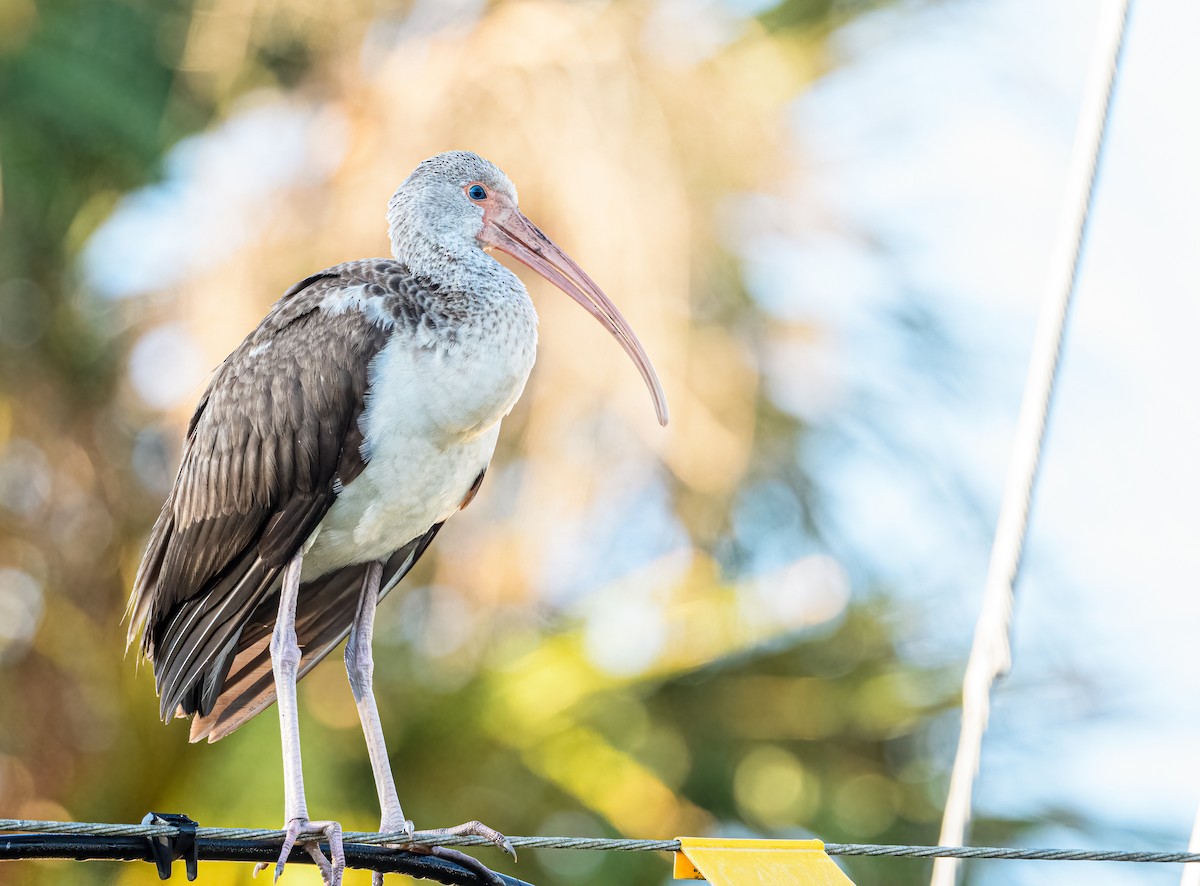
(183, 845)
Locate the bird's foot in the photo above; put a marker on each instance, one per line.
(470, 828)
(394, 823)
(332, 867)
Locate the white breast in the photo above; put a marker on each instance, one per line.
(430, 427)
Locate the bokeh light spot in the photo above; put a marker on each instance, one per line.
(625, 636)
(166, 366)
(21, 606)
(773, 787)
(866, 804)
(25, 478)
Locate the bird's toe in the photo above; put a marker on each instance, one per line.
(331, 868)
(477, 829)
(467, 829)
(470, 862)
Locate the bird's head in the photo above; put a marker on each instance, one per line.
(456, 204)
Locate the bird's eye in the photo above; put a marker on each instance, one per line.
(476, 192)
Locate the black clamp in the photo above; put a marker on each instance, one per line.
(164, 850)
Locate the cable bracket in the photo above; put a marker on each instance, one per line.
(165, 849)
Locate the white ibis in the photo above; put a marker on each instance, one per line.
(326, 453)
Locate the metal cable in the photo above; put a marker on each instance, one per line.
(360, 838)
(877, 850)
(991, 653)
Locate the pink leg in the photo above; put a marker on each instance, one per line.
(285, 663)
(360, 667)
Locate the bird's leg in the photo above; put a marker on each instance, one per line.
(360, 667)
(285, 664)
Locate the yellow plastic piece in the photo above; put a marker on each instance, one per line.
(757, 863)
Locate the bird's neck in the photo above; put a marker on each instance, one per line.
(469, 270)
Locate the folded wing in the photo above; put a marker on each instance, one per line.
(274, 439)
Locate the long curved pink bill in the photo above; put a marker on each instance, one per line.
(517, 236)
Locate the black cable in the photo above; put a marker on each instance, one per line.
(376, 858)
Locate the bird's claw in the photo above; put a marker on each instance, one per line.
(331, 868)
(477, 829)
(403, 826)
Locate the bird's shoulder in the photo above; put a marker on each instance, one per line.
(330, 323)
(286, 401)
(380, 291)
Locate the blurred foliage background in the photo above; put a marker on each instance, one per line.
(631, 632)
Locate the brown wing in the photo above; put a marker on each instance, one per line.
(324, 613)
(272, 441)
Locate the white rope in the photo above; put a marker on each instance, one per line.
(991, 654)
(1191, 872)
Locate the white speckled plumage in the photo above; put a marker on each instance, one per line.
(430, 426)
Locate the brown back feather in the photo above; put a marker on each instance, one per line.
(274, 439)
